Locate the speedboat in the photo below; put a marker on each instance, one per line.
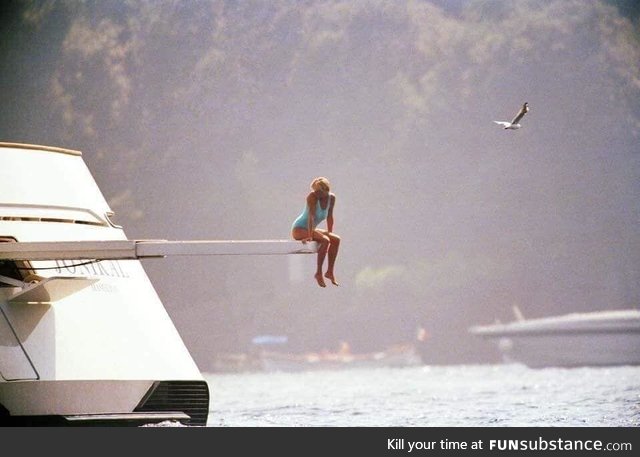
(599, 338)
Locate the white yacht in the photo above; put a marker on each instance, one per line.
(599, 338)
(84, 338)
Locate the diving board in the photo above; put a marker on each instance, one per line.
(141, 249)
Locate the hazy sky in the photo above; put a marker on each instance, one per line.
(209, 119)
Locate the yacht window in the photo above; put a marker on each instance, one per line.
(9, 269)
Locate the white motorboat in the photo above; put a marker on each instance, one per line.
(600, 338)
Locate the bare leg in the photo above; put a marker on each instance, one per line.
(334, 245)
(323, 247)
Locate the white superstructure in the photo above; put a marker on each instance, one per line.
(84, 338)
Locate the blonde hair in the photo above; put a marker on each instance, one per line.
(321, 183)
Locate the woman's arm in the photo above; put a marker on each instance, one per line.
(332, 203)
(311, 202)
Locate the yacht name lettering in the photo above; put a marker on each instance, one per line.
(102, 287)
(109, 268)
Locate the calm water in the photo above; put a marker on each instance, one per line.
(429, 396)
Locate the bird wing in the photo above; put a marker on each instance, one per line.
(520, 114)
(503, 123)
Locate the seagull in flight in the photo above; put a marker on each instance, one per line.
(514, 124)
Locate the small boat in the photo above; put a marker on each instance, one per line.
(599, 338)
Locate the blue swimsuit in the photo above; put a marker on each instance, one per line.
(321, 214)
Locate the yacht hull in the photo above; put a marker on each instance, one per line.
(84, 341)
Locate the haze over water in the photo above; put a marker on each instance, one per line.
(208, 120)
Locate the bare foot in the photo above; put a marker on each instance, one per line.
(332, 278)
(318, 277)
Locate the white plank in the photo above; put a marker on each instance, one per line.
(229, 247)
(68, 250)
(139, 249)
